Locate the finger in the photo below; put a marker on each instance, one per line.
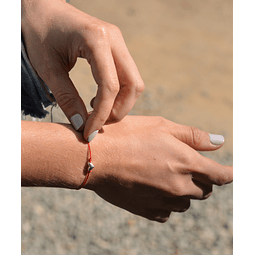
(197, 139)
(159, 215)
(177, 204)
(67, 98)
(210, 172)
(182, 206)
(131, 83)
(92, 102)
(198, 190)
(105, 75)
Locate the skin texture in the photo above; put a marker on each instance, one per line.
(55, 35)
(146, 165)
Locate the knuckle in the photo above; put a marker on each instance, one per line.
(207, 191)
(65, 100)
(139, 89)
(161, 120)
(98, 37)
(161, 219)
(115, 29)
(195, 135)
(223, 178)
(101, 119)
(159, 215)
(100, 30)
(185, 206)
(207, 195)
(113, 87)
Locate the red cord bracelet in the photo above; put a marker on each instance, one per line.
(90, 167)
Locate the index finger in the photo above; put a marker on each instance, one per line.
(130, 80)
(211, 172)
(105, 75)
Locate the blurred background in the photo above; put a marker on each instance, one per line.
(184, 52)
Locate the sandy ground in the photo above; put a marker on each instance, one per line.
(183, 50)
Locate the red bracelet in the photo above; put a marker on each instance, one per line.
(90, 167)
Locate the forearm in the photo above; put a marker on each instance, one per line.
(52, 155)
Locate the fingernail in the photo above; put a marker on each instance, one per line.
(92, 136)
(76, 121)
(216, 139)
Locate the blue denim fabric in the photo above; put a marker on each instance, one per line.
(35, 95)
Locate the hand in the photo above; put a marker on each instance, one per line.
(56, 34)
(150, 166)
(146, 165)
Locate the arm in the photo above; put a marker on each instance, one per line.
(52, 155)
(146, 165)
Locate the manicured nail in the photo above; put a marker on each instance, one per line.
(92, 136)
(216, 139)
(76, 121)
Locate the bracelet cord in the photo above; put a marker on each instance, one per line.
(90, 167)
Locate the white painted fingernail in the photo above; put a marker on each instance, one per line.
(92, 136)
(76, 121)
(216, 139)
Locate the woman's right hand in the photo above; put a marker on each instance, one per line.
(150, 166)
(56, 34)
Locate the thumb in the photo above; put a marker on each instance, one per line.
(68, 99)
(198, 139)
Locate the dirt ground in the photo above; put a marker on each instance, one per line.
(184, 52)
